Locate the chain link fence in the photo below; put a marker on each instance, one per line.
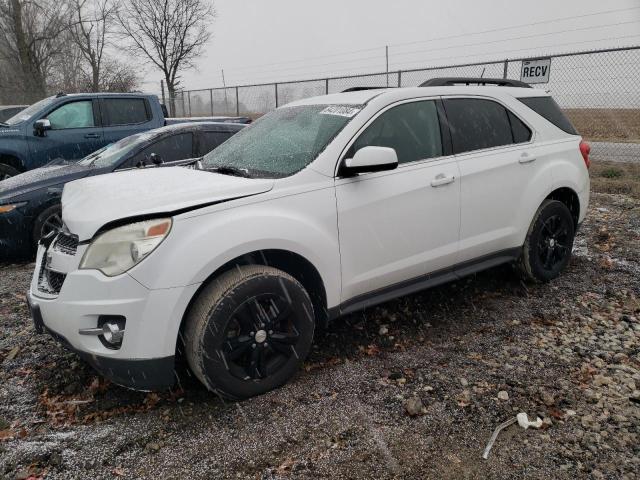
(599, 90)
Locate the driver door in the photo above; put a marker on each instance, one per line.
(397, 226)
(75, 133)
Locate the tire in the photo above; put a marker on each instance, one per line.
(547, 248)
(49, 219)
(249, 331)
(7, 171)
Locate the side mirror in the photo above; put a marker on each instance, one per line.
(155, 159)
(40, 127)
(370, 159)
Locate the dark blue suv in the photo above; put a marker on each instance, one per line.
(72, 126)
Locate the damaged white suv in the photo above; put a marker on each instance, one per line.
(325, 206)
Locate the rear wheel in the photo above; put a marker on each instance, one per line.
(7, 171)
(50, 220)
(249, 331)
(547, 248)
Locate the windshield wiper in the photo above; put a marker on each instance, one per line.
(230, 170)
(2, 124)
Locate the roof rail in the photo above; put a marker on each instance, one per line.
(451, 81)
(359, 89)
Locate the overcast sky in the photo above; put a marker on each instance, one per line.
(259, 41)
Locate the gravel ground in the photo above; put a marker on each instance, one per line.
(411, 389)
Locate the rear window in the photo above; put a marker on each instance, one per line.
(549, 109)
(125, 111)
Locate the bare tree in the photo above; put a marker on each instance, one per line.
(90, 31)
(170, 34)
(30, 36)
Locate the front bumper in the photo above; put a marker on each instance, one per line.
(145, 361)
(149, 374)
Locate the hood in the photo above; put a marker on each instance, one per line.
(41, 178)
(91, 203)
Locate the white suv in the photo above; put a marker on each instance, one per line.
(323, 207)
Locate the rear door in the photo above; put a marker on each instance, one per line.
(396, 226)
(497, 161)
(75, 132)
(124, 116)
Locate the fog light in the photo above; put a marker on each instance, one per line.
(112, 334)
(110, 330)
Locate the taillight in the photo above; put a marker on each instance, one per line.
(585, 150)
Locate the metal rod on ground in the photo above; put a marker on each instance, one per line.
(399, 78)
(162, 90)
(276, 85)
(498, 429)
(237, 104)
(506, 69)
(211, 100)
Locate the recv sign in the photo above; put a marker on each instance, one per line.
(536, 71)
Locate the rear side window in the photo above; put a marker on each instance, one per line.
(549, 109)
(477, 123)
(125, 111)
(210, 140)
(521, 133)
(411, 129)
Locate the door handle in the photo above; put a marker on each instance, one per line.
(92, 135)
(442, 180)
(526, 158)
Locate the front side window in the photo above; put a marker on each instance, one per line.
(170, 149)
(72, 115)
(411, 129)
(124, 111)
(282, 142)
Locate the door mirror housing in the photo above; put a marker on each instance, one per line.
(155, 159)
(41, 126)
(370, 159)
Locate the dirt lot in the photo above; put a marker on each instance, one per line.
(463, 357)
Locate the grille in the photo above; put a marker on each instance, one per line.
(66, 243)
(49, 281)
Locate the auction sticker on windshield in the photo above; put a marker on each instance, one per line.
(341, 110)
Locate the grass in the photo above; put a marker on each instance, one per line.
(610, 177)
(607, 124)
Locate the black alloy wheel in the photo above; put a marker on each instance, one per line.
(549, 242)
(261, 337)
(248, 331)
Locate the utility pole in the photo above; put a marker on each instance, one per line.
(226, 100)
(386, 49)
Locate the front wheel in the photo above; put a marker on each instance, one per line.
(7, 171)
(547, 248)
(50, 220)
(249, 331)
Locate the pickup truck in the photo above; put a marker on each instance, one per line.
(71, 126)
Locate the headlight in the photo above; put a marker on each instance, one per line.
(118, 250)
(10, 207)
